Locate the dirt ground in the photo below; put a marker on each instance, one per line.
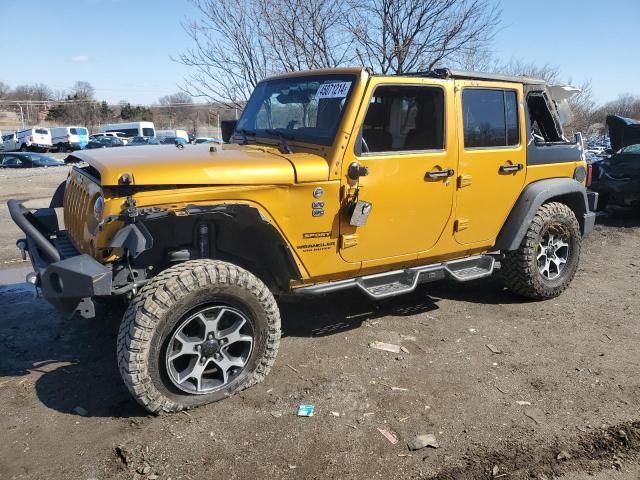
(561, 399)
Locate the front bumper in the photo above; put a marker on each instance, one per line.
(67, 278)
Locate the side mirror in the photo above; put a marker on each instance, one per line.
(227, 128)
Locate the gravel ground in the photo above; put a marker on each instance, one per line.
(561, 399)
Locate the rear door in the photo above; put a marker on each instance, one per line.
(492, 165)
(80, 136)
(411, 157)
(42, 136)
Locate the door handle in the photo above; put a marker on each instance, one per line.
(437, 174)
(508, 168)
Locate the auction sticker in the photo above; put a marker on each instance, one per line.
(333, 90)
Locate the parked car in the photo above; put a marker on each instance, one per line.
(121, 135)
(28, 160)
(105, 142)
(30, 139)
(172, 133)
(617, 178)
(173, 141)
(200, 140)
(65, 139)
(138, 141)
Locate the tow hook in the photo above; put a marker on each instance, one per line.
(22, 246)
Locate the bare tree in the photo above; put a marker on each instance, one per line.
(237, 44)
(4, 90)
(83, 90)
(399, 36)
(230, 53)
(305, 34)
(177, 108)
(548, 72)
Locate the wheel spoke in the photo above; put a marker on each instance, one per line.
(195, 370)
(211, 324)
(227, 362)
(187, 346)
(232, 334)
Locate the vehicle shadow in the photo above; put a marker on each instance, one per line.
(319, 316)
(72, 363)
(489, 291)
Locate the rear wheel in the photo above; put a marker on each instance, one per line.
(547, 259)
(197, 333)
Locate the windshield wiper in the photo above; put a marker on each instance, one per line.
(245, 133)
(284, 146)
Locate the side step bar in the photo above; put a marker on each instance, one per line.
(389, 284)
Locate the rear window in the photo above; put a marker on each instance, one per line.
(42, 131)
(78, 131)
(148, 132)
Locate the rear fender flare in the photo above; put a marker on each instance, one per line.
(564, 190)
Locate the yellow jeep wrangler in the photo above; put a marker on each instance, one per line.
(333, 179)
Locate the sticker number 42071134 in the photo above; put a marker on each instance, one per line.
(333, 90)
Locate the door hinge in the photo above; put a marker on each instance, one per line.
(347, 241)
(464, 180)
(462, 224)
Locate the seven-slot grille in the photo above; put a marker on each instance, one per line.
(78, 208)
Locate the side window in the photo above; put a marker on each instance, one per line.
(544, 128)
(490, 118)
(404, 118)
(10, 160)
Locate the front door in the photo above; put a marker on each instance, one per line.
(492, 165)
(409, 152)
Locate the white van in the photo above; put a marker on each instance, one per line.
(134, 129)
(34, 138)
(173, 133)
(69, 138)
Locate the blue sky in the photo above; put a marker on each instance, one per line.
(122, 47)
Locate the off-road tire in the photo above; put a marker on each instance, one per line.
(520, 267)
(157, 311)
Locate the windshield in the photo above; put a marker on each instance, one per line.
(632, 148)
(297, 108)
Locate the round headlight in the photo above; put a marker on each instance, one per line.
(98, 207)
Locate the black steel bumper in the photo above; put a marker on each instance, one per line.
(67, 278)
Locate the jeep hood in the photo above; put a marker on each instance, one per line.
(623, 131)
(197, 165)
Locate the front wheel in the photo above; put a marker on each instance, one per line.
(197, 333)
(547, 259)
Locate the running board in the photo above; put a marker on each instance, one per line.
(390, 284)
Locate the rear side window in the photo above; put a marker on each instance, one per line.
(490, 118)
(148, 132)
